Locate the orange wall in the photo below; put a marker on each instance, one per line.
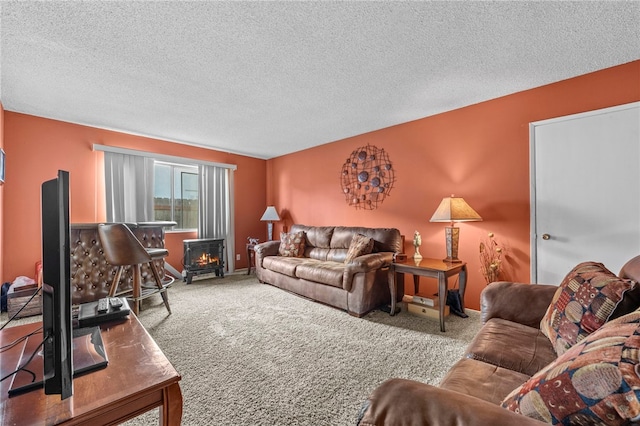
(37, 147)
(480, 152)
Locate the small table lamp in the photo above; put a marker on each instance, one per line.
(454, 209)
(270, 215)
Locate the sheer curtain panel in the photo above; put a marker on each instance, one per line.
(215, 219)
(128, 187)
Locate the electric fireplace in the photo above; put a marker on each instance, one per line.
(203, 256)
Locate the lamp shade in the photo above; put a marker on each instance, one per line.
(270, 214)
(455, 209)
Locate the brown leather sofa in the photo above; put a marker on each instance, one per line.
(506, 352)
(321, 274)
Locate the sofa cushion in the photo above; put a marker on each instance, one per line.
(329, 273)
(594, 382)
(513, 346)
(292, 244)
(283, 265)
(584, 301)
(360, 245)
(485, 381)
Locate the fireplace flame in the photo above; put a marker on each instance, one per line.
(207, 259)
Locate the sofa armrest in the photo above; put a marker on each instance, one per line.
(369, 262)
(407, 402)
(365, 263)
(268, 248)
(522, 303)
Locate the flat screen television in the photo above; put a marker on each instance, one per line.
(56, 296)
(66, 352)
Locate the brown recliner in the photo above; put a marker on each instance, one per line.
(121, 249)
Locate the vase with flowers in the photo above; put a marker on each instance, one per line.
(490, 258)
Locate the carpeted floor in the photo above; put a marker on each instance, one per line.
(252, 354)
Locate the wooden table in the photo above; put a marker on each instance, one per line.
(138, 378)
(434, 268)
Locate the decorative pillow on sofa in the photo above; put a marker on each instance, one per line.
(595, 382)
(584, 301)
(360, 245)
(292, 245)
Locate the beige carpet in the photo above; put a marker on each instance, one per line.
(252, 354)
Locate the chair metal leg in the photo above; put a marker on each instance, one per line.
(163, 290)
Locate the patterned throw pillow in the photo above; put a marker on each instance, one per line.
(595, 382)
(360, 245)
(292, 245)
(584, 301)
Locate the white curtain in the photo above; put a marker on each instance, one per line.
(129, 187)
(215, 218)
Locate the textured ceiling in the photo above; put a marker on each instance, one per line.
(270, 78)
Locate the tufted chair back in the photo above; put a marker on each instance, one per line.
(91, 275)
(120, 246)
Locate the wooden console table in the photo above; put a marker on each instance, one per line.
(138, 378)
(434, 268)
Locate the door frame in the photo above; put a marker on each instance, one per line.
(532, 172)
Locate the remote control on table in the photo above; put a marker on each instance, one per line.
(103, 305)
(115, 303)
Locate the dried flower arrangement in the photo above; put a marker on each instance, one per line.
(490, 258)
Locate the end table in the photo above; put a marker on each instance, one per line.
(251, 258)
(434, 268)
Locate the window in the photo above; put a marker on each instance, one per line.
(175, 194)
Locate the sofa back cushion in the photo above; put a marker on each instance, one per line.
(317, 236)
(513, 346)
(317, 242)
(631, 300)
(631, 269)
(584, 301)
(384, 239)
(332, 242)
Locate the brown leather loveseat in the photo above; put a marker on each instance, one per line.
(512, 364)
(320, 272)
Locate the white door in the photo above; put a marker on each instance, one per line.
(585, 191)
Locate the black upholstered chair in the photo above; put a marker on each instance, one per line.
(122, 249)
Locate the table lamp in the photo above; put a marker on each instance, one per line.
(270, 215)
(454, 209)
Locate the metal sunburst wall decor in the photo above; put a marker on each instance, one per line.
(367, 177)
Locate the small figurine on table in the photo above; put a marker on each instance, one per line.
(417, 241)
(253, 241)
